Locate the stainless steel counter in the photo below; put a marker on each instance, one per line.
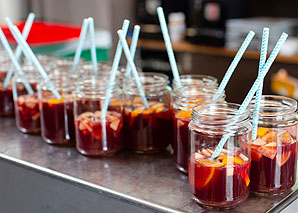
(38, 177)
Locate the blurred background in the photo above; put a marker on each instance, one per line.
(205, 35)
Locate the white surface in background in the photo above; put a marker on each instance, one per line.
(10, 8)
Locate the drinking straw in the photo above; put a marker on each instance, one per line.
(115, 65)
(253, 89)
(15, 62)
(263, 55)
(78, 53)
(27, 51)
(92, 48)
(133, 67)
(133, 47)
(234, 64)
(18, 51)
(166, 37)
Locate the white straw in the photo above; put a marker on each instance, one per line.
(92, 41)
(133, 47)
(18, 51)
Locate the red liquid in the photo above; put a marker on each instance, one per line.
(148, 130)
(181, 143)
(219, 183)
(89, 134)
(6, 102)
(273, 166)
(27, 113)
(57, 122)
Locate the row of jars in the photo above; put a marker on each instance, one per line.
(188, 117)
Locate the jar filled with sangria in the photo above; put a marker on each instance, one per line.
(56, 113)
(274, 152)
(6, 99)
(27, 113)
(184, 99)
(148, 130)
(219, 180)
(98, 134)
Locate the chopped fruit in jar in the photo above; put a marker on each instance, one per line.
(259, 142)
(55, 101)
(286, 138)
(262, 131)
(206, 153)
(268, 150)
(245, 177)
(180, 123)
(209, 163)
(282, 158)
(255, 155)
(230, 160)
(183, 114)
(210, 151)
(270, 137)
(243, 157)
(148, 111)
(199, 156)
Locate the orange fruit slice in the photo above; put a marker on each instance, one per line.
(183, 114)
(270, 137)
(261, 131)
(268, 151)
(246, 178)
(55, 101)
(209, 163)
(282, 158)
(286, 138)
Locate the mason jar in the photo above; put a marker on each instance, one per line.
(96, 136)
(27, 115)
(222, 180)
(150, 129)
(6, 98)
(56, 115)
(274, 152)
(184, 99)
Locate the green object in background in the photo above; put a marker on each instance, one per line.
(103, 43)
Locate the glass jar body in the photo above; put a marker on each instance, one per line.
(223, 181)
(6, 98)
(148, 130)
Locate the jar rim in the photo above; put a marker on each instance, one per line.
(219, 113)
(157, 80)
(196, 91)
(274, 105)
(205, 79)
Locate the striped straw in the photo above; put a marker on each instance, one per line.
(15, 62)
(263, 55)
(27, 51)
(133, 47)
(133, 67)
(18, 51)
(166, 37)
(92, 48)
(78, 53)
(253, 89)
(234, 64)
(115, 65)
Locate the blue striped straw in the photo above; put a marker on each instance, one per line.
(133, 67)
(263, 56)
(253, 89)
(27, 51)
(166, 37)
(234, 64)
(18, 51)
(115, 65)
(133, 47)
(78, 53)
(15, 62)
(92, 48)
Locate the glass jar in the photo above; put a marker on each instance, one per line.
(27, 113)
(6, 99)
(223, 181)
(148, 130)
(196, 80)
(96, 136)
(56, 115)
(274, 152)
(184, 99)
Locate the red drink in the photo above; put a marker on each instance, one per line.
(27, 113)
(57, 121)
(91, 138)
(222, 182)
(274, 160)
(181, 146)
(6, 101)
(148, 130)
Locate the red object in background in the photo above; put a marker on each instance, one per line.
(45, 33)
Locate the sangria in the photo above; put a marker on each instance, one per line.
(274, 152)
(223, 180)
(6, 98)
